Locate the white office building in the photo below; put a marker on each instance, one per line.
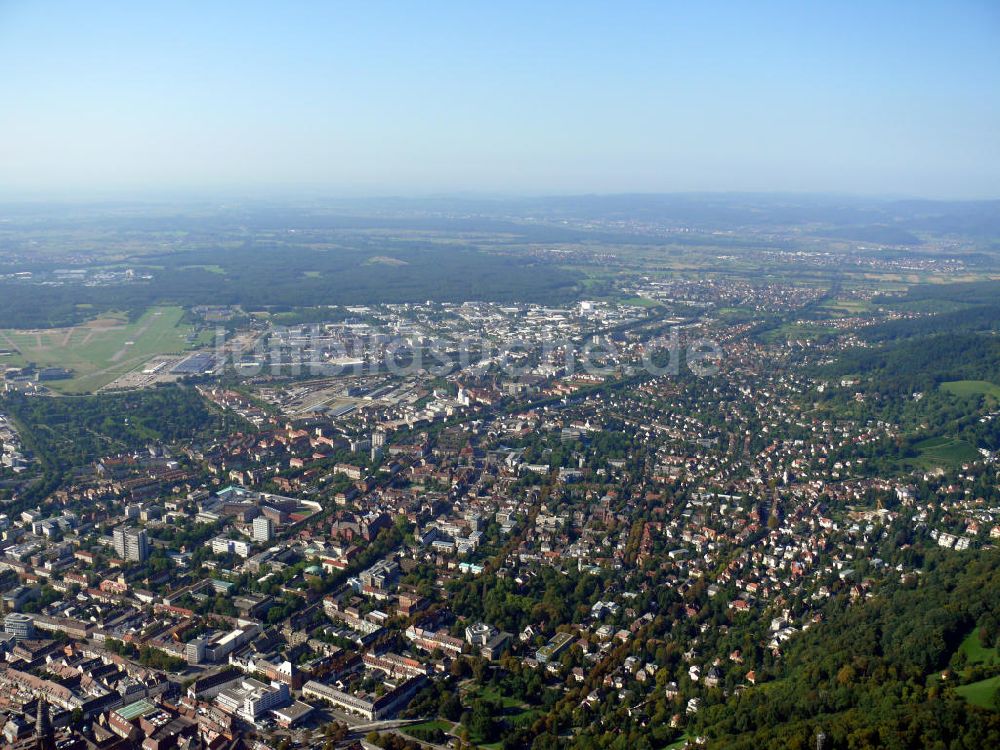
(263, 529)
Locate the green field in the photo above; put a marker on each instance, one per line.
(975, 653)
(974, 650)
(797, 332)
(442, 724)
(489, 693)
(445, 726)
(210, 268)
(98, 351)
(944, 451)
(847, 307)
(639, 302)
(972, 388)
(982, 693)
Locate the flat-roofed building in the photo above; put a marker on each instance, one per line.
(263, 529)
(249, 698)
(131, 544)
(19, 625)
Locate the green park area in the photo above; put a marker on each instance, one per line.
(435, 731)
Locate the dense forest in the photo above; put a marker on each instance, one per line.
(922, 363)
(259, 276)
(943, 308)
(868, 676)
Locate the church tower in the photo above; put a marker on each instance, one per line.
(44, 736)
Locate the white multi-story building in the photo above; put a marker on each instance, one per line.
(131, 544)
(19, 625)
(263, 529)
(250, 698)
(223, 546)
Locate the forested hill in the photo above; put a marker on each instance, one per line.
(943, 309)
(922, 363)
(867, 676)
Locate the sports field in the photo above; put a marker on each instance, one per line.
(639, 301)
(98, 351)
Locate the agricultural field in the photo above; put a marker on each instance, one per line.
(847, 307)
(797, 332)
(972, 388)
(944, 451)
(99, 351)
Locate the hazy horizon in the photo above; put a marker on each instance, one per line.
(304, 196)
(376, 101)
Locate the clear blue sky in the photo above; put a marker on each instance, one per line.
(501, 97)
